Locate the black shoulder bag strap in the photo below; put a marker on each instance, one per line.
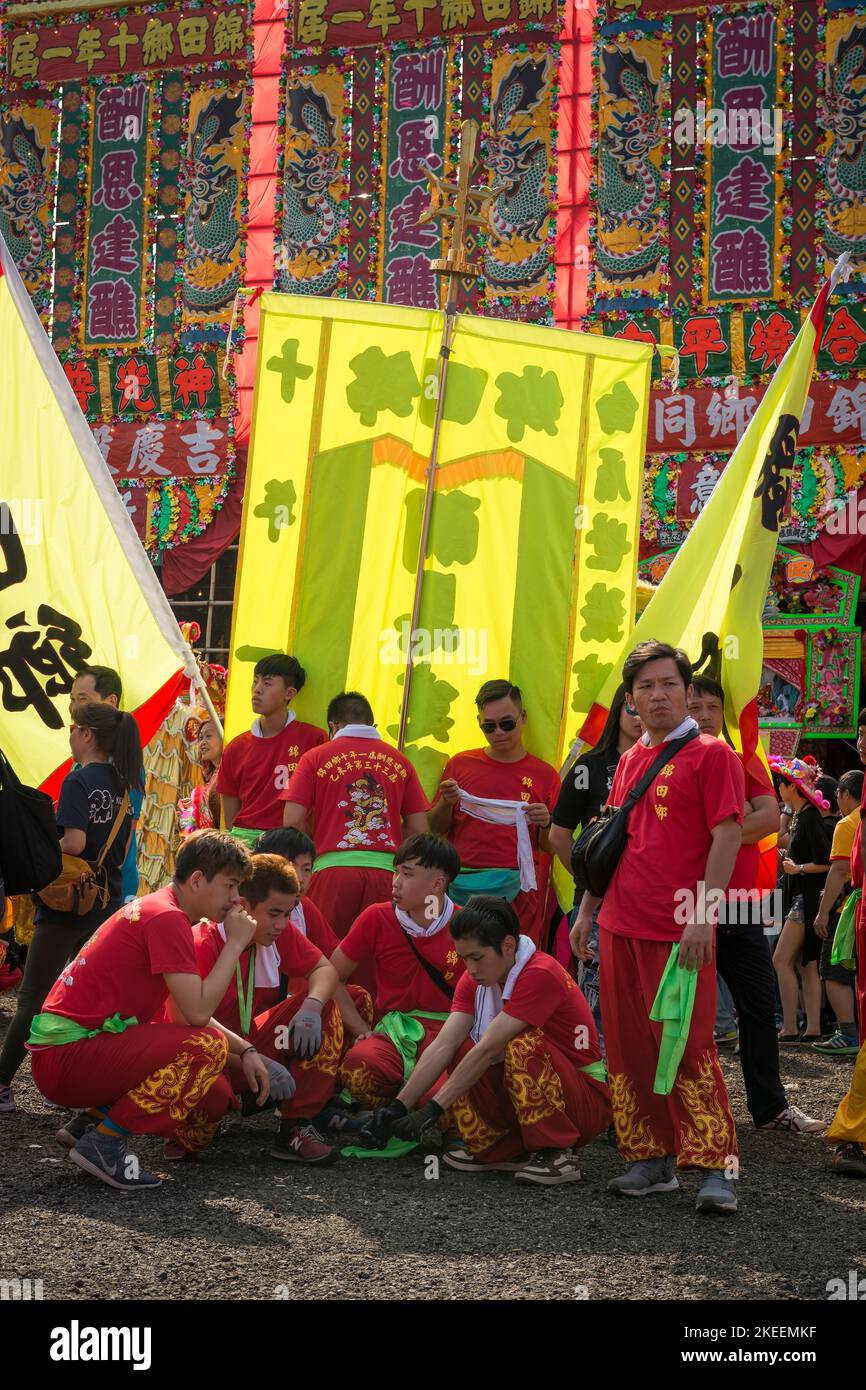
(429, 970)
(666, 752)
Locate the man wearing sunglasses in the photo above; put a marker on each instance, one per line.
(495, 805)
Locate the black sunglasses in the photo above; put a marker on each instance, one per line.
(489, 726)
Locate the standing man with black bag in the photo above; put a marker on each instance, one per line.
(93, 807)
(670, 1105)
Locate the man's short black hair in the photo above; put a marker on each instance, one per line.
(705, 685)
(498, 690)
(287, 667)
(645, 652)
(828, 787)
(285, 840)
(431, 852)
(350, 707)
(487, 920)
(852, 783)
(106, 681)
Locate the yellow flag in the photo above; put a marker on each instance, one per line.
(532, 549)
(76, 587)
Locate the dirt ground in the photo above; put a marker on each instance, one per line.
(242, 1225)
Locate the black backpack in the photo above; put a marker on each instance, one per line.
(30, 856)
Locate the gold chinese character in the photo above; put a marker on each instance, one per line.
(496, 9)
(456, 14)
(662, 790)
(24, 60)
(192, 34)
(122, 40)
(667, 770)
(525, 796)
(420, 7)
(661, 811)
(48, 54)
(382, 16)
(534, 9)
(526, 781)
(157, 40)
(312, 28)
(89, 47)
(228, 32)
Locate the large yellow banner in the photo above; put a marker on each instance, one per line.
(530, 562)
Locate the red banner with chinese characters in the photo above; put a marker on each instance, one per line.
(340, 24)
(139, 42)
(155, 449)
(704, 418)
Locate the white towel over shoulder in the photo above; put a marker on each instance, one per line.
(490, 998)
(495, 812)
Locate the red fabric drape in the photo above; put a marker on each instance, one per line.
(186, 564)
(573, 161)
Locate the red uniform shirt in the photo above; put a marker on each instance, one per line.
(401, 982)
(357, 791)
(546, 997)
(256, 770)
(296, 958)
(747, 863)
(121, 968)
(669, 835)
(857, 856)
(479, 844)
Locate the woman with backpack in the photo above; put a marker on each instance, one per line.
(94, 822)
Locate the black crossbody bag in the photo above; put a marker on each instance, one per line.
(430, 970)
(599, 848)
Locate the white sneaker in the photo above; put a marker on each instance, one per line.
(794, 1120)
(549, 1167)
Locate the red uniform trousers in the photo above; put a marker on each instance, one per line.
(342, 894)
(694, 1121)
(316, 1077)
(860, 947)
(373, 1068)
(154, 1078)
(534, 1099)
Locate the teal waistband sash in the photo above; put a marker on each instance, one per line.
(498, 883)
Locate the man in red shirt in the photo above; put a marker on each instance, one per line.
(409, 947)
(498, 854)
(95, 1044)
(363, 798)
(256, 767)
(743, 957)
(528, 1087)
(683, 839)
(306, 1026)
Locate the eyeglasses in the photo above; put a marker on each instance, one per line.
(489, 726)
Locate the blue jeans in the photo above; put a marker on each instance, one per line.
(587, 976)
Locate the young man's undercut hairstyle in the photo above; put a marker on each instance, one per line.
(271, 874)
(287, 667)
(211, 852)
(286, 841)
(487, 920)
(106, 681)
(350, 707)
(645, 652)
(852, 783)
(705, 685)
(431, 852)
(498, 690)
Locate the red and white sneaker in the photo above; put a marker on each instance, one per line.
(550, 1167)
(300, 1143)
(464, 1162)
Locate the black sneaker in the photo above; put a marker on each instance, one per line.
(849, 1160)
(105, 1156)
(75, 1128)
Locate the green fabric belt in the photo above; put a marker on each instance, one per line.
(355, 859)
(246, 836)
(53, 1030)
(597, 1070)
(498, 883)
(843, 952)
(405, 1033)
(672, 1007)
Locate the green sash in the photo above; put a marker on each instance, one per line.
(246, 836)
(405, 1033)
(672, 1007)
(355, 859)
(499, 883)
(53, 1030)
(597, 1070)
(843, 952)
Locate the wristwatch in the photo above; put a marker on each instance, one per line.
(802, 868)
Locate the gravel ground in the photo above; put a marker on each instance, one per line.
(239, 1225)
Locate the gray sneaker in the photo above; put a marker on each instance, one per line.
(717, 1194)
(75, 1128)
(105, 1157)
(646, 1176)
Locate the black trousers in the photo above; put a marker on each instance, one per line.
(52, 946)
(743, 960)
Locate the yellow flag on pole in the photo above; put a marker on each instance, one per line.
(76, 587)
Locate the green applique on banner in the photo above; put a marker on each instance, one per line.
(591, 676)
(617, 410)
(603, 614)
(609, 540)
(382, 383)
(277, 506)
(532, 401)
(289, 368)
(610, 480)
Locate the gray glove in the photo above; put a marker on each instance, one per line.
(282, 1083)
(305, 1029)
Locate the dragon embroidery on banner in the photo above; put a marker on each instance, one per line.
(211, 273)
(22, 195)
(518, 163)
(629, 185)
(843, 112)
(310, 226)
